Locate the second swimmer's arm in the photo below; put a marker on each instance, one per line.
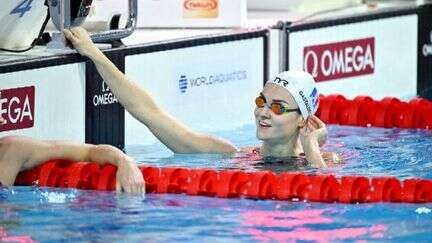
(171, 132)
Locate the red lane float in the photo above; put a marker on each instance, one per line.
(364, 111)
(234, 183)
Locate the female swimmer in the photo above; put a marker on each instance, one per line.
(284, 112)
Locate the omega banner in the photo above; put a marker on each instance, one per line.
(17, 106)
(376, 57)
(340, 59)
(44, 103)
(104, 117)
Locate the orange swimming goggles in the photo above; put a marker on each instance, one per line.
(276, 107)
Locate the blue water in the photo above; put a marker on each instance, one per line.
(58, 215)
(403, 153)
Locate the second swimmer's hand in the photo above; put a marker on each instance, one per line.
(129, 177)
(81, 41)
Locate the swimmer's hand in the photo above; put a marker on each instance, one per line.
(314, 130)
(311, 136)
(81, 41)
(129, 178)
(321, 126)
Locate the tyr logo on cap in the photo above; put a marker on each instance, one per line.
(278, 80)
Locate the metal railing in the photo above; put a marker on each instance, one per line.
(62, 18)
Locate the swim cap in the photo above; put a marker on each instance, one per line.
(302, 87)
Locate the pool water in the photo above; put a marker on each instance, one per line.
(56, 215)
(403, 153)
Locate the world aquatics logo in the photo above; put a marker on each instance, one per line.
(183, 83)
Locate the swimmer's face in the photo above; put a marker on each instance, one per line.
(275, 128)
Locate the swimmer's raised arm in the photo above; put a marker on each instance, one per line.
(174, 134)
(21, 153)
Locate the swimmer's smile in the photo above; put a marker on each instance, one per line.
(264, 125)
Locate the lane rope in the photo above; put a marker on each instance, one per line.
(364, 111)
(234, 183)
